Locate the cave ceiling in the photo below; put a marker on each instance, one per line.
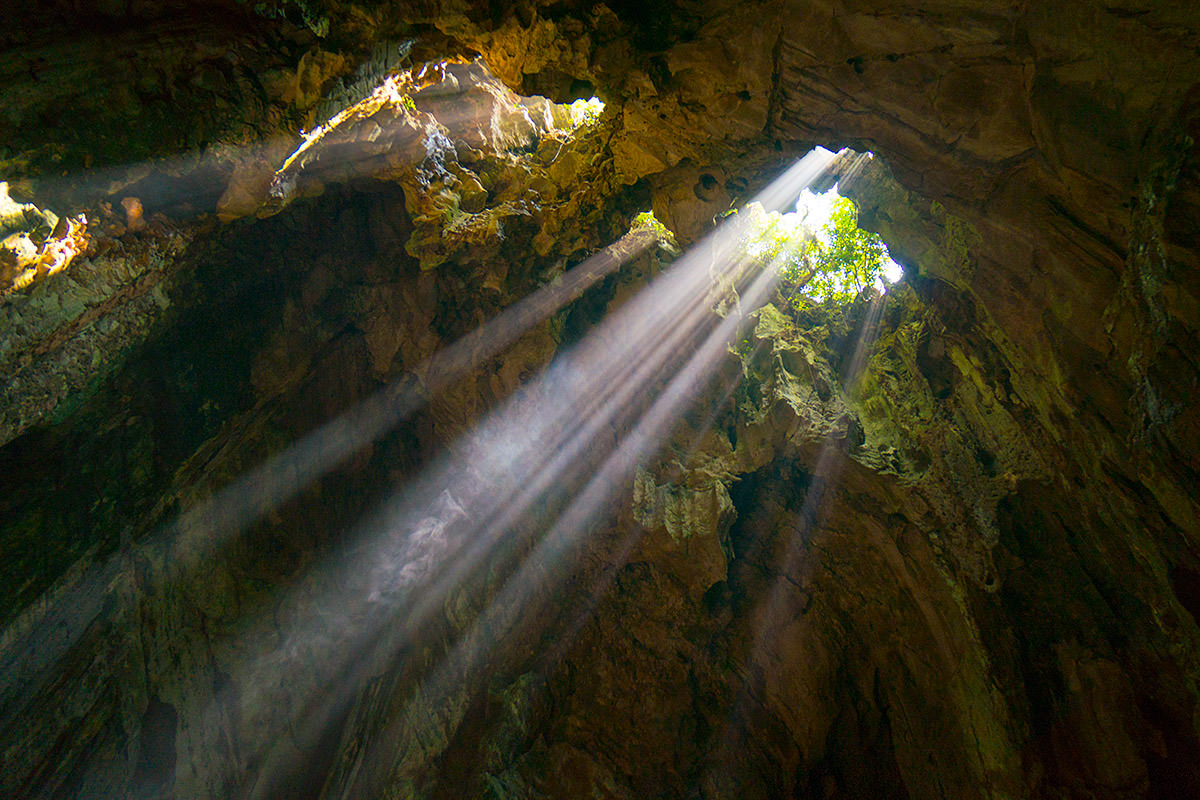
(294, 292)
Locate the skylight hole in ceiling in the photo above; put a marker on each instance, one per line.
(815, 242)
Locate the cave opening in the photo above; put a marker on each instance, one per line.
(824, 255)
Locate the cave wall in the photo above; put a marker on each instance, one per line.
(961, 564)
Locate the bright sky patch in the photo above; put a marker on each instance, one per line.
(586, 111)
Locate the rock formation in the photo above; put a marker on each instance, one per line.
(296, 294)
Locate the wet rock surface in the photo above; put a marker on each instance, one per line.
(942, 543)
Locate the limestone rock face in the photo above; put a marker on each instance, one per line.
(942, 542)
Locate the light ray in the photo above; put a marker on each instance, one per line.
(605, 354)
(28, 649)
(447, 521)
(825, 473)
(565, 540)
(34, 643)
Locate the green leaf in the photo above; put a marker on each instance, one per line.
(809, 268)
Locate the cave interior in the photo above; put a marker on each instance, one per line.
(390, 408)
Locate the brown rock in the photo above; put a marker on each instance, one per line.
(134, 219)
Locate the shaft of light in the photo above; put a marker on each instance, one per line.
(33, 644)
(26, 655)
(480, 539)
(825, 472)
(568, 536)
(496, 490)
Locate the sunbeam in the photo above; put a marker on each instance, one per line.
(541, 573)
(519, 493)
(479, 504)
(772, 611)
(50, 630)
(214, 521)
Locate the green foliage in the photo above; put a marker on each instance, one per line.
(647, 221)
(852, 260)
(585, 113)
(834, 270)
(773, 240)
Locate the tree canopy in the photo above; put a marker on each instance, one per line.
(834, 267)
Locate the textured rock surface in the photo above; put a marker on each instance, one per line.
(943, 544)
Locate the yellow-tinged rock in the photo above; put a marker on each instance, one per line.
(134, 214)
(316, 68)
(247, 190)
(636, 156)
